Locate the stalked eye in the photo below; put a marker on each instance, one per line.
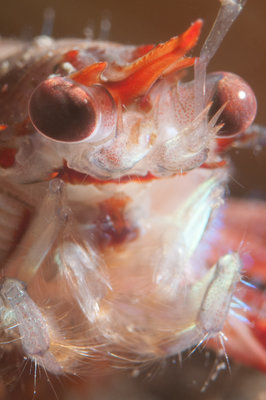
(65, 111)
(241, 105)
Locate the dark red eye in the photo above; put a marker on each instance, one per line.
(241, 105)
(65, 111)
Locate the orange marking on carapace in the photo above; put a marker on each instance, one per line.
(135, 79)
(141, 74)
(89, 75)
(224, 144)
(213, 165)
(141, 51)
(71, 57)
(73, 177)
(7, 157)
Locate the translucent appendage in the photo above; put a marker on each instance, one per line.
(79, 265)
(40, 236)
(32, 325)
(218, 296)
(213, 297)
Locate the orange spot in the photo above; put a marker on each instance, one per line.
(53, 175)
(214, 165)
(89, 75)
(71, 56)
(3, 127)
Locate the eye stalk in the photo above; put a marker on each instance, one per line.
(68, 112)
(238, 99)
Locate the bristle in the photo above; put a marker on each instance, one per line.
(248, 284)
(241, 304)
(221, 338)
(240, 317)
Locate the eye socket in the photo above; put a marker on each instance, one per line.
(241, 106)
(65, 111)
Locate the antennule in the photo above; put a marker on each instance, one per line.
(229, 11)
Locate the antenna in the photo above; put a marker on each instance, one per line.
(229, 11)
